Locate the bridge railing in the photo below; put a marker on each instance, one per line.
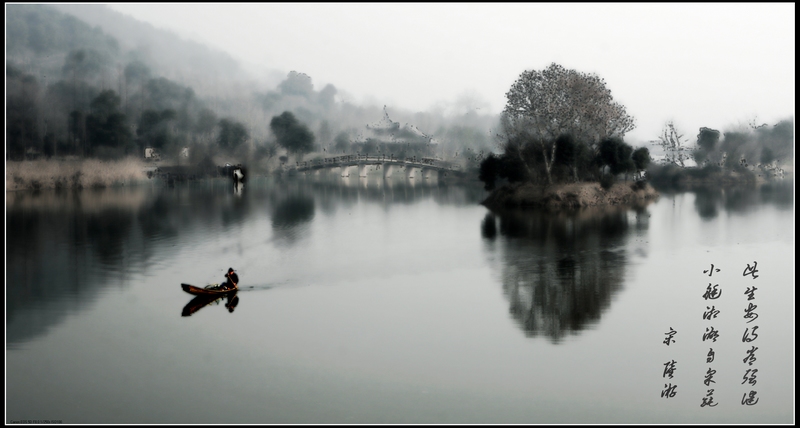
(374, 158)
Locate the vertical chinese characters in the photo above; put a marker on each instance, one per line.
(750, 335)
(669, 390)
(711, 334)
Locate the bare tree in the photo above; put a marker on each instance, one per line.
(673, 144)
(558, 101)
(543, 105)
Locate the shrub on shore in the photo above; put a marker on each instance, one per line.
(606, 181)
(72, 174)
(672, 177)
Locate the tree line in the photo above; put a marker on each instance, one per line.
(562, 126)
(756, 146)
(73, 90)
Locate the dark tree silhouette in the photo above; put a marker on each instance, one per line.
(154, 128)
(617, 155)
(21, 112)
(707, 141)
(641, 158)
(232, 134)
(292, 135)
(106, 126)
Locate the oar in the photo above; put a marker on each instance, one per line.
(254, 287)
(261, 286)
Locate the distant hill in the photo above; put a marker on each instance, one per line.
(184, 61)
(85, 80)
(99, 83)
(38, 39)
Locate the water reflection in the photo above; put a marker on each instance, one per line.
(294, 210)
(710, 202)
(394, 190)
(200, 302)
(707, 203)
(780, 194)
(61, 246)
(489, 227)
(65, 247)
(560, 271)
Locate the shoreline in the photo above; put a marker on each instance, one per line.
(568, 196)
(73, 174)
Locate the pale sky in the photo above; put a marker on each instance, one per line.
(714, 65)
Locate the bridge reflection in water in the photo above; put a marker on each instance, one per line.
(348, 164)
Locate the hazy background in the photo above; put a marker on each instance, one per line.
(708, 65)
(388, 301)
(111, 80)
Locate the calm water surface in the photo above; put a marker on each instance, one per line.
(366, 301)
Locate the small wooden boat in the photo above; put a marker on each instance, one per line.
(210, 290)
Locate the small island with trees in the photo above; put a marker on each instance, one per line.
(562, 142)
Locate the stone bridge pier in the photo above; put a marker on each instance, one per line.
(345, 171)
(387, 170)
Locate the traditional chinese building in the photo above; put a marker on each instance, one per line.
(388, 136)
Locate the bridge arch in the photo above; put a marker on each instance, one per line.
(389, 164)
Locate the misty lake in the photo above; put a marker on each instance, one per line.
(370, 301)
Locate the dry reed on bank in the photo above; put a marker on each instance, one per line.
(73, 174)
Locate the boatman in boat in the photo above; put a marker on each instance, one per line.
(232, 280)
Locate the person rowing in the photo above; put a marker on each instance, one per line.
(232, 281)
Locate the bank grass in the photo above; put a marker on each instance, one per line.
(73, 174)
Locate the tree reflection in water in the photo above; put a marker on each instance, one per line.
(294, 210)
(289, 215)
(560, 271)
(710, 201)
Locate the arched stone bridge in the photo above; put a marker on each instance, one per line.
(388, 164)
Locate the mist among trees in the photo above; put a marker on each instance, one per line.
(85, 81)
(741, 153)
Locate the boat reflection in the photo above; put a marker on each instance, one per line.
(200, 302)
